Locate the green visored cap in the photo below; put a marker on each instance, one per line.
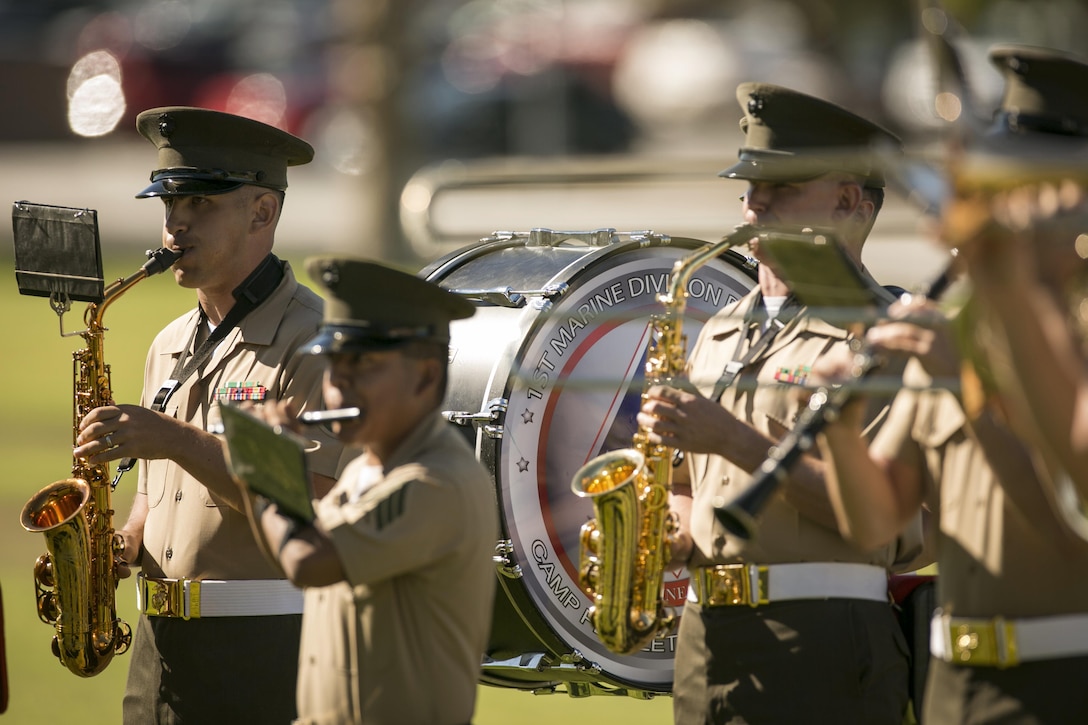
(210, 152)
(371, 306)
(1044, 91)
(1040, 129)
(791, 136)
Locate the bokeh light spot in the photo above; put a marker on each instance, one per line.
(96, 100)
(1081, 245)
(948, 106)
(260, 96)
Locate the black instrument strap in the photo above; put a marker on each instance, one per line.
(255, 289)
(790, 309)
(785, 315)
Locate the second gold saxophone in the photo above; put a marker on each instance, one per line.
(75, 581)
(625, 548)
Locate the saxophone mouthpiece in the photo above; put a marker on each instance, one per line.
(159, 260)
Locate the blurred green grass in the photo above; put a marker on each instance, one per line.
(35, 440)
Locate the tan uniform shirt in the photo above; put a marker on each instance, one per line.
(189, 532)
(993, 560)
(401, 640)
(760, 397)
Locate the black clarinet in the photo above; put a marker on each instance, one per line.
(739, 515)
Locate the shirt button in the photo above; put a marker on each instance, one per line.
(719, 542)
(169, 553)
(177, 496)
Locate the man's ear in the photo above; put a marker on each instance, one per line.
(848, 200)
(864, 213)
(851, 203)
(266, 207)
(430, 374)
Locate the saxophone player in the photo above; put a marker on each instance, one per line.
(1012, 625)
(217, 639)
(796, 623)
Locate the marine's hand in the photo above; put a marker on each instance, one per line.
(113, 432)
(917, 328)
(126, 554)
(837, 367)
(1036, 231)
(279, 412)
(684, 419)
(834, 368)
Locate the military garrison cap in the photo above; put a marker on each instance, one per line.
(210, 152)
(791, 136)
(1044, 92)
(371, 306)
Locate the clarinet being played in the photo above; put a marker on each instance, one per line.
(739, 515)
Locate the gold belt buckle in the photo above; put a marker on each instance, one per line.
(734, 584)
(984, 643)
(171, 597)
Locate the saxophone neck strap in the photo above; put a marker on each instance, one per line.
(755, 316)
(249, 295)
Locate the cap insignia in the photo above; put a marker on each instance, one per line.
(166, 125)
(755, 104)
(330, 275)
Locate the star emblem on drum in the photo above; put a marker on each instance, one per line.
(527, 416)
(523, 466)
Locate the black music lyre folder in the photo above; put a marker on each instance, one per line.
(269, 461)
(820, 274)
(57, 252)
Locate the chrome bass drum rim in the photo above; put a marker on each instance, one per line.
(543, 377)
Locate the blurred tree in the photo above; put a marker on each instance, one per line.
(366, 61)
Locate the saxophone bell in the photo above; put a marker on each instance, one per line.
(613, 571)
(88, 633)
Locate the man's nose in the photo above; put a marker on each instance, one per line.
(757, 197)
(339, 372)
(174, 221)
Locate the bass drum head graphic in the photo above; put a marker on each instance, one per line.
(546, 375)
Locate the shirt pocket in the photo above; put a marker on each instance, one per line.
(163, 471)
(938, 420)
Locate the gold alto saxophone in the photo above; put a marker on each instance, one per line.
(625, 548)
(75, 582)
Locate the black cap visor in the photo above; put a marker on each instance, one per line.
(772, 166)
(192, 181)
(786, 167)
(183, 186)
(332, 339)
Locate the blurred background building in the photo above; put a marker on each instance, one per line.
(438, 121)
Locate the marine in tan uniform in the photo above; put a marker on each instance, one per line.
(397, 564)
(219, 630)
(819, 640)
(1029, 276)
(1010, 638)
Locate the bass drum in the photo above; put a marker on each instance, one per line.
(546, 375)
